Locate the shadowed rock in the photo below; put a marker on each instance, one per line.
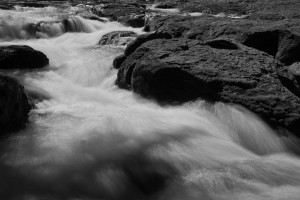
(280, 39)
(144, 38)
(14, 106)
(21, 57)
(115, 11)
(290, 77)
(118, 61)
(135, 21)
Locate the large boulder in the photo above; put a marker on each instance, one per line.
(180, 70)
(280, 39)
(21, 57)
(14, 106)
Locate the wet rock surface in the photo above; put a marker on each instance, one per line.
(179, 70)
(117, 38)
(130, 14)
(250, 60)
(280, 38)
(14, 106)
(21, 57)
(243, 52)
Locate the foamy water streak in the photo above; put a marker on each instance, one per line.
(90, 140)
(26, 23)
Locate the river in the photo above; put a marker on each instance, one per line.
(87, 139)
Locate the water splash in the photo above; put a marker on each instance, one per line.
(90, 140)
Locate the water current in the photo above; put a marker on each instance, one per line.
(87, 139)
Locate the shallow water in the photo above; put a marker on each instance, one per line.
(88, 139)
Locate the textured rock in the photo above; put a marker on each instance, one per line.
(179, 70)
(290, 77)
(280, 39)
(144, 38)
(261, 10)
(135, 21)
(14, 106)
(117, 10)
(21, 57)
(117, 38)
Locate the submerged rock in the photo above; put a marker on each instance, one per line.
(180, 70)
(14, 106)
(21, 57)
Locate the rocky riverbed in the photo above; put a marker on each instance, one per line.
(190, 56)
(150, 99)
(269, 31)
(181, 40)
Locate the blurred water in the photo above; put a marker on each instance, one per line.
(89, 139)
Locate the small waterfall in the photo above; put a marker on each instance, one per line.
(16, 25)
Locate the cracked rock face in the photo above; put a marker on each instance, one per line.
(180, 70)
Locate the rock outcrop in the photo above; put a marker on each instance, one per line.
(179, 70)
(21, 57)
(118, 38)
(130, 14)
(14, 106)
(280, 39)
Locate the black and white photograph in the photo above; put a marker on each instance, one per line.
(150, 100)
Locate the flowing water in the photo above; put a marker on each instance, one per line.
(87, 139)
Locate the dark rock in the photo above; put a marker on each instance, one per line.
(280, 39)
(21, 57)
(6, 7)
(14, 106)
(260, 10)
(136, 21)
(117, 38)
(179, 70)
(222, 44)
(144, 38)
(118, 61)
(166, 5)
(290, 77)
(116, 10)
(267, 41)
(289, 48)
(282, 44)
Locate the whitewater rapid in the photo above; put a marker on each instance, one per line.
(88, 139)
